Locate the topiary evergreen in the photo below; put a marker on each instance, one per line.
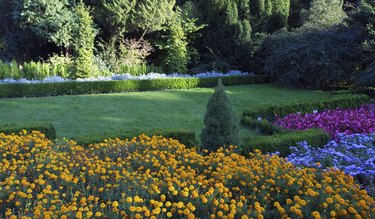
(221, 122)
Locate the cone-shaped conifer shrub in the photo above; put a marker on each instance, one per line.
(221, 123)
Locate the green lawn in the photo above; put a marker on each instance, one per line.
(89, 114)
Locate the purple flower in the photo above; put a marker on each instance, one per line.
(346, 121)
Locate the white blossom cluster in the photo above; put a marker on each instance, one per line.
(127, 76)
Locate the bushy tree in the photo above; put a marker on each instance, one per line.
(84, 43)
(120, 12)
(176, 47)
(364, 19)
(228, 32)
(269, 15)
(324, 13)
(221, 123)
(310, 57)
(52, 20)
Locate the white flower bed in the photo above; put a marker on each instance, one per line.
(149, 76)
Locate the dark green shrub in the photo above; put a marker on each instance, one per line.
(281, 142)
(221, 124)
(309, 57)
(363, 18)
(268, 112)
(185, 137)
(262, 126)
(74, 88)
(46, 128)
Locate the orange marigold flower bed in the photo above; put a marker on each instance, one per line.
(160, 178)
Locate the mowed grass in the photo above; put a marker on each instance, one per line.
(83, 115)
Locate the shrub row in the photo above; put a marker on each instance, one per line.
(281, 142)
(262, 126)
(92, 87)
(46, 128)
(185, 137)
(346, 101)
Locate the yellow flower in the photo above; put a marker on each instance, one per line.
(115, 204)
(98, 214)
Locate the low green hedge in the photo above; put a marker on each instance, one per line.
(282, 142)
(74, 88)
(262, 126)
(46, 128)
(185, 137)
(268, 112)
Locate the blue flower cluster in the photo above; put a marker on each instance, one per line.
(354, 154)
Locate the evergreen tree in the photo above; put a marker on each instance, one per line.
(176, 47)
(14, 41)
(221, 122)
(364, 20)
(84, 43)
(225, 31)
(324, 13)
(120, 12)
(280, 14)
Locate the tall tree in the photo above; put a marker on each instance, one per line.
(120, 12)
(84, 43)
(324, 13)
(228, 30)
(364, 19)
(13, 39)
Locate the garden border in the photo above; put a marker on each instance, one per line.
(95, 87)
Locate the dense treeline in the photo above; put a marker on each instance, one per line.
(315, 43)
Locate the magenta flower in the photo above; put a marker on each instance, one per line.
(348, 121)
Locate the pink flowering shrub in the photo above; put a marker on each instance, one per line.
(348, 121)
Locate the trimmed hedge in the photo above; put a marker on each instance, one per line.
(281, 142)
(185, 137)
(263, 126)
(46, 128)
(268, 112)
(93, 87)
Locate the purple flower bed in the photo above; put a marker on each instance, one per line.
(347, 121)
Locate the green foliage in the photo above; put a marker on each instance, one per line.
(262, 126)
(227, 37)
(324, 13)
(12, 37)
(269, 15)
(364, 20)
(282, 142)
(221, 124)
(268, 112)
(177, 42)
(151, 15)
(119, 54)
(52, 20)
(84, 44)
(74, 88)
(185, 137)
(33, 70)
(309, 57)
(280, 14)
(46, 128)
(120, 12)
